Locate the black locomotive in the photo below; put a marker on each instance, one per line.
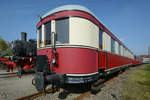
(24, 48)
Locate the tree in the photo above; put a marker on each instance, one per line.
(3, 47)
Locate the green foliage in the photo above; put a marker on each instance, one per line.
(4, 46)
(137, 87)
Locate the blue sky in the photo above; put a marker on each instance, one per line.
(129, 20)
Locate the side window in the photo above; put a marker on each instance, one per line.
(119, 49)
(100, 38)
(123, 51)
(112, 45)
(48, 33)
(62, 30)
(40, 35)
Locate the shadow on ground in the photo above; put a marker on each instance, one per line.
(78, 89)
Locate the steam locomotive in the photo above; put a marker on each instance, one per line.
(23, 55)
(24, 48)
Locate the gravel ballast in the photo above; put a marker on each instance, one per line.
(14, 87)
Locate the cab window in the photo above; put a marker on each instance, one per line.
(62, 30)
(48, 33)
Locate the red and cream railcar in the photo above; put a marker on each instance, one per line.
(75, 47)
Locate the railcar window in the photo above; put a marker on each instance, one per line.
(40, 35)
(124, 51)
(100, 38)
(112, 45)
(62, 30)
(119, 49)
(48, 33)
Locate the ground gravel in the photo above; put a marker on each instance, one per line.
(14, 87)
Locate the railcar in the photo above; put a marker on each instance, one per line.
(74, 47)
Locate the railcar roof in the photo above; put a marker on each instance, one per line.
(67, 7)
(70, 7)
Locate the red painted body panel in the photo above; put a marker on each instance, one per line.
(4, 59)
(74, 60)
(108, 60)
(102, 59)
(12, 64)
(83, 60)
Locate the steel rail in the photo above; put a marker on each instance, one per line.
(35, 95)
(88, 93)
(5, 75)
(8, 73)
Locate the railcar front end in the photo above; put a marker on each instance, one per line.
(67, 49)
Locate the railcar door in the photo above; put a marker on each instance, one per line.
(103, 60)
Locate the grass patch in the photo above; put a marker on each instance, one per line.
(137, 86)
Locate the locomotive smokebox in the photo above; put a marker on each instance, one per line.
(23, 36)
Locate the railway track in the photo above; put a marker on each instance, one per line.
(6, 75)
(49, 90)
(88, 93)
(80, 97)
(35, 95)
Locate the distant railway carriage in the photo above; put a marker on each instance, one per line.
(74, 47)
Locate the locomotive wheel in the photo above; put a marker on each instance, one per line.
(19, 71)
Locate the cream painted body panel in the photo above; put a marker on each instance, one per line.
(116, 47)
(106, 42)
(83, 32)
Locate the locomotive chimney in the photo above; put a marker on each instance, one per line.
(23, 36)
